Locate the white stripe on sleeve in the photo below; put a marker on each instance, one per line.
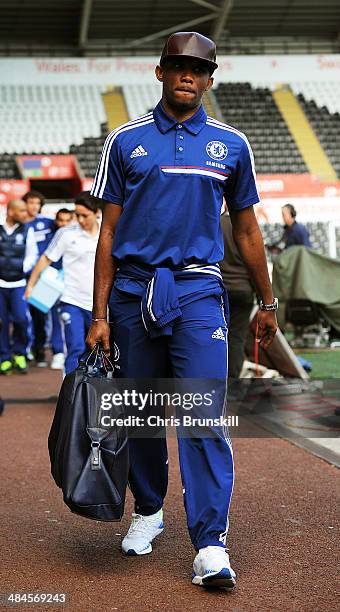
(103, 163)
(31, 252)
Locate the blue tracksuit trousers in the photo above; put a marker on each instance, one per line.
(13, 307)
(195, 347)
(57, 341)
(76, 323)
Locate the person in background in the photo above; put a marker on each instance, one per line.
(63, 217)
(76, 244)
(295, 233)
(44, 229)
(241, 293)
(18, 254)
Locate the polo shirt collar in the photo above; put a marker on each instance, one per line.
(165, 123)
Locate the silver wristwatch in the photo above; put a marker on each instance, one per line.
(273, 306)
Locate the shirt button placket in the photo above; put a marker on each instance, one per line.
(179, 156)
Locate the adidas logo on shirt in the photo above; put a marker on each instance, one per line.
(138, 152)
(218, 334)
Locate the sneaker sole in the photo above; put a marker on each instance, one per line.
(132, 553)
(146, 551)
(219, 580)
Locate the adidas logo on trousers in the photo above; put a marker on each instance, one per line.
(218, 334)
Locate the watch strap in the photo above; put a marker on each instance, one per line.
(273, 306)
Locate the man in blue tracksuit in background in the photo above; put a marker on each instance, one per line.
(18, 254)
(62, 219)
(44, 229)
(164, 176)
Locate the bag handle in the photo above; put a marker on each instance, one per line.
(95, 350)
(86, 356)
(97, 353)
(106, 361)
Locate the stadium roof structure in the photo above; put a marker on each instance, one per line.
(138, 27)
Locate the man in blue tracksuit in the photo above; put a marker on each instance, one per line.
(164, 176)
(62, 219)
(18, 254)
(44, 229)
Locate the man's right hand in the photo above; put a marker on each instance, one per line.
(99, 333)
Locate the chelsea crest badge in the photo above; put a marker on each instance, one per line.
(217, 150)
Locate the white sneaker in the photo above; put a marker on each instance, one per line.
(142, 531)
(58, 361)
(212, 568)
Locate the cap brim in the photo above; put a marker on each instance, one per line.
(209, 63)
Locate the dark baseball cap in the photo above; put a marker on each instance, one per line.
(190, 44)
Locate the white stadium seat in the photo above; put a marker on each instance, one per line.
(141, 98)
(49, 118)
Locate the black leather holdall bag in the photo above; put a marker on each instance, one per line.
(89, 461)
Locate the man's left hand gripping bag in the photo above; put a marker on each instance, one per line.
(89, 461)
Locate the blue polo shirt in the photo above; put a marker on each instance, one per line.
(170, 179)
(44, 229)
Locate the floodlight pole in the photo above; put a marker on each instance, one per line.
(175, 28)
(205, 4)
(221, 20)
(84, 23)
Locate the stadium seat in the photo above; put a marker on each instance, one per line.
(253, 111)
(319, 234)
(52, 119)
(49, 118)
(140, 99)
(88, 152)
(325, 94)
(325, 123)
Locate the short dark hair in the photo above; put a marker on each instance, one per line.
(291, 209)
(34, 194)
(64, 211)
(85, 199)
